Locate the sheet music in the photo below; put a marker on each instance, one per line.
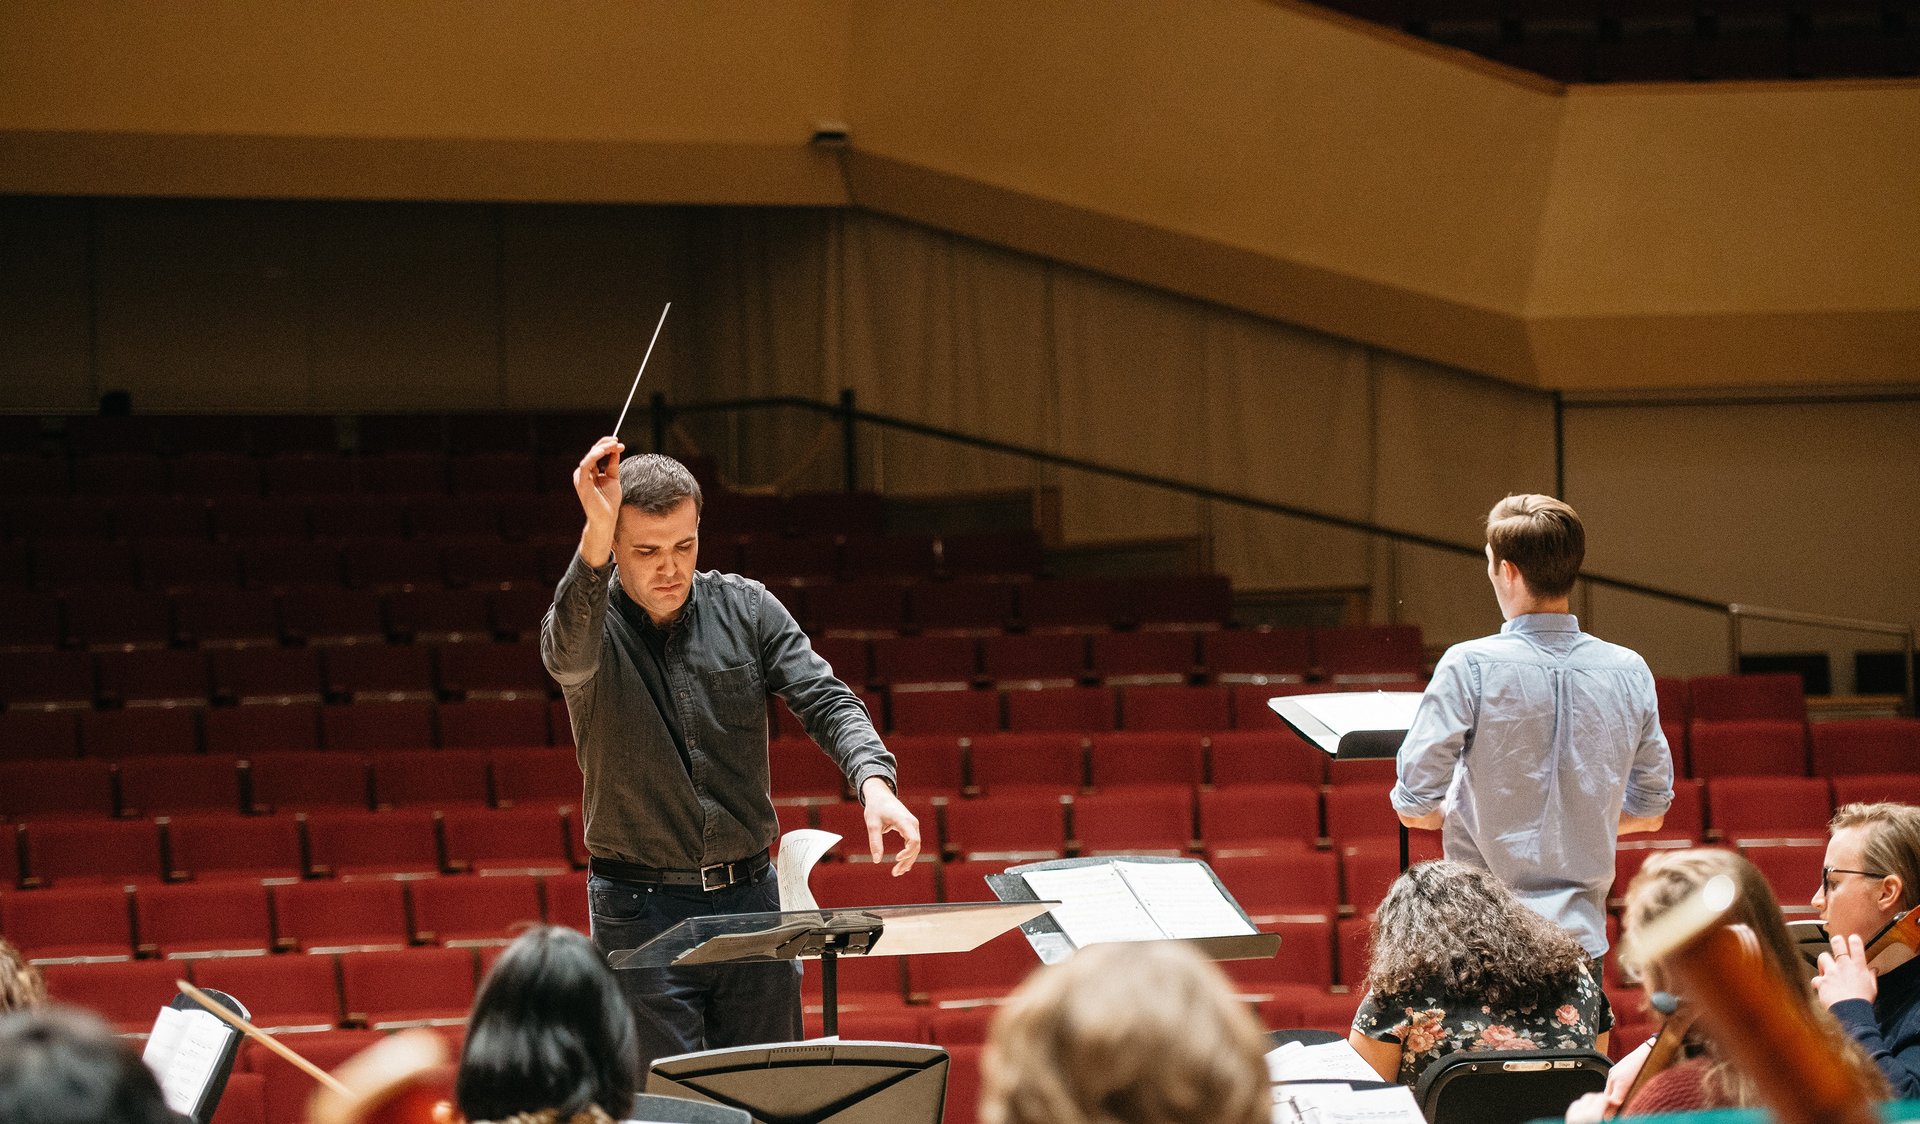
(183, 1051)
(1343, 1104)
(1365, 710)
(1334, 1061)
(1184, 899)
(800, 850)
(1096, 904)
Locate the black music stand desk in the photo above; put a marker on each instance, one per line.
(1353, 726)
(1229, 936)
(827, 935)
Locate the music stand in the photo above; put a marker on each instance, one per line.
(1353, 726)
(1052, 944)
(827, 935)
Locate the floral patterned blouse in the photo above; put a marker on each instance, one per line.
(1427, 1027)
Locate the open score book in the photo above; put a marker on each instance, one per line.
(1135, 901)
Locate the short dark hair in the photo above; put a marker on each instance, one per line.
(550, 1029)
(656, 483)
(1543, 538)
(62, 1066)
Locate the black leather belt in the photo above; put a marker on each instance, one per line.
(719, 876)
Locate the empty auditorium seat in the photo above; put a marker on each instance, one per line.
(456, 912)
(1719, 698)
(1253, 703)
(566, 896)
(535, 837)
(1087, 709)
(283, 993)
(223, 918)
(493, 671)
(332, 616)
(944, 712)
(216, 475)
(1671, 694)
(226, 619)
(1256, 656)
(1353, 939)
(1274, 816)
(399, 843)
(440, 616)
(930, 764)
(856, 608)
(29, 620)
(431, 778)
(65, 924)
(1143, 820)
(899, 558)
(143, 731)
(1078, 604)
(331, 915)
(1049, 762)
(784, 561)
(377, 726)
(1151, 757)
(966, 880)
(47, 680)
(801, 768)
(846, 655)
(1305, 959)
(1175, 708)
(1020, 825)
(85, 568)
(846, 885)
(1872, 788)
(160, 677)
(1004, 554)
(1369, 654)
(836, 513)
(848, 820)
(340, 520)
(171, 565)
(290, 473)
(43, 789)
(37, 734)
(535, 776)
(1131, 659)
(985, 975)
(516, 613)
(268, 675)
(287, 1089)
(1297, 883)
(308, 781)
(1263, 757)
(243, 731)
(1184, 601)
(411, 987)
(509, 471)
(234, 847)
(1744, 807)
(93, 852)
(298, 568)
(493, 722)
(907, 663)
(1358, 809)
(167, 783)
(104, 620)
(127, 995)
(1747, 746)
(1034, 660)
(963, 608)
(1792, 868)
(1865, 745)
(1368, 866)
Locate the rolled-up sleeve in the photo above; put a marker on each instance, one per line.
(1442, 727)
(832, 714)
(1649, 789)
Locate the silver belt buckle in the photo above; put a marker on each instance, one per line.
(716, 877)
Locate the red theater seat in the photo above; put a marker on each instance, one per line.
(234, 847)
(932, 764)
(1747, 747)
(284, 993)
(47, 789)
(37, 735)
(328, 916)
(566, 896)
(801, 768)
(1719, 698)
(377, 726)
(1260, 817)
(163, 677)
(1298, 883)
(493, 722)
(1034, 660)
(431, 778)
(1369, 654)
(204, 918)
(535, 776)
(142, 731)
(1020, 826)
(946, 663)
(966, 608)
(280, 676)
(1865, 745)
(846, 885)
(98, 852)
(1151, 820)
(47, 680)
(945, 712)
(1175, 708)
(165, 784)
(534, 838)
(848, 820)
(1899, 788)
(1051, 762)
(1156, 758)
(372, 844)
(1263, 757)
(1769, 807)
(413, 987)
(128, 995)
(493, 671)
(309, 781)
(1087, 709)
(1132, 659)
(70, 923)
(378, 673)
(456, 911)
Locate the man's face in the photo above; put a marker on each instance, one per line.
(1853, 904)
(656, 555)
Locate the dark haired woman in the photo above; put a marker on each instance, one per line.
(1458, 963)
(550, 1039)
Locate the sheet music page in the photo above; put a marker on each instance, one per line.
(1184, 900)
(800, 850)
(183, 1052)
(1096, 905)
(1343, 1104)
(1363, 710)
(1336, 1061)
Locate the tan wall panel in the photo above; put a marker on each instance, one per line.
(45, 320)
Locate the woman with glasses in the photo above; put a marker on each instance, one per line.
(1870, 876)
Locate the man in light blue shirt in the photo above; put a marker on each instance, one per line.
(1535, 748)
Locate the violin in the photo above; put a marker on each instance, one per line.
(1759, 1020)
(1666, 1044)
(1896, 943)
(401, 1079)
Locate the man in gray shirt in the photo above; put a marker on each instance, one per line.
(1534, 748)
(666, 671)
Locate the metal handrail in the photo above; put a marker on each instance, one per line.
(848, 415)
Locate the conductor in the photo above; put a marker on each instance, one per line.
(666, 671)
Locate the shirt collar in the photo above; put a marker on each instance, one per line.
(637, 616)
(1542, 622)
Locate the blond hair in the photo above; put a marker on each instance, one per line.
(1670, 876)
(20, 982)
(1890, 843)
(1126, 1034)
(1543, 538)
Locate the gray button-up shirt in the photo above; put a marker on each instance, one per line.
(1536, 740)
(733, 644)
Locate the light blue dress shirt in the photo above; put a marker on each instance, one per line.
(1535, 740)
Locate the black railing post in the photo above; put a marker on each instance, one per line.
(848, 451)
(657, 413)
(1559, 446)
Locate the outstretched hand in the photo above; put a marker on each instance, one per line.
(884, 813)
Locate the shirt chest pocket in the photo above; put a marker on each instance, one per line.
(736, 695)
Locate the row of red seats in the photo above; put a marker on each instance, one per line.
(83, 436)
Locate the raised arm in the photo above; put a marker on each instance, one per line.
(571, 633)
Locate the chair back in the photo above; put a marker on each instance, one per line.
(1508, 1086)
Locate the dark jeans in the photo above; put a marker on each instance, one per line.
(683, 1010)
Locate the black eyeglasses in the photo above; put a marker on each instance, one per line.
(1827, 873)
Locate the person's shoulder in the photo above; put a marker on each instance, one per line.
(720, 583)
(1491, 645)
(1594, 648)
